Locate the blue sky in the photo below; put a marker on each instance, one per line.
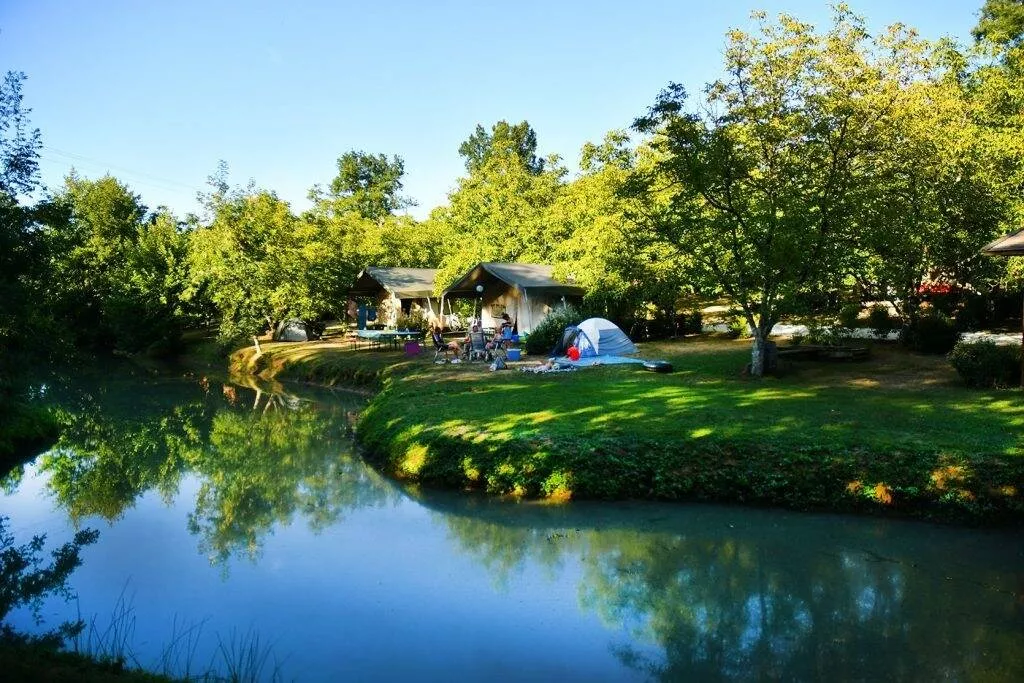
(157, 92)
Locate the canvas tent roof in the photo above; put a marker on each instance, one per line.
(1007, 245)
(529, 276)
(404, 283)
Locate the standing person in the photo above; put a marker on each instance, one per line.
(500, 333)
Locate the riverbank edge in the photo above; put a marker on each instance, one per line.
(25, 430)
(28, 660)
(979, 490)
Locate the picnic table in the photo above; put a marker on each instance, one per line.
(381, 338)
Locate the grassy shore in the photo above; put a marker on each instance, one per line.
(894, 433)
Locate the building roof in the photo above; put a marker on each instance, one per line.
(404, 283)
(1007, 245)
(527, 276)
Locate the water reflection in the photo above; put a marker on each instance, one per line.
(262, 457)
(728, 598)
(676, 592)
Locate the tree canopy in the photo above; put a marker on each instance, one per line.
(519, 140)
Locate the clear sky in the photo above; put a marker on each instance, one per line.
(156, 92)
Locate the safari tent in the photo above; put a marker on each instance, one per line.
(397, 290)
(526, 291)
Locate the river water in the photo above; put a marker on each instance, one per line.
(240, 533)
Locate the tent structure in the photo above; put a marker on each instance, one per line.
(292, 330)
(595, 337)
(526, 291)
(1010, 245)
(397, 290)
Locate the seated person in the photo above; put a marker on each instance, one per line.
(467, 341)
(439, 342)
(503, 332)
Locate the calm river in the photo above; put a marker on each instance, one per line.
(238, 530)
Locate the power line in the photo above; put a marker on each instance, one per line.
(164, 183)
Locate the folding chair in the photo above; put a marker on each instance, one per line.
(440, 346)
(478, 347)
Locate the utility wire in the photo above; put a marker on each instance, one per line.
(147, 178)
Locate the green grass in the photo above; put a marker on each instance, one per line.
(896, 432)
(327, 363)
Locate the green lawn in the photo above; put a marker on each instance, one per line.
(896, 431)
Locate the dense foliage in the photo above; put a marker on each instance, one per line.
(824, 169)
(547, 333)
(983, 364)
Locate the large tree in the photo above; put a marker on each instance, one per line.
(19, 246)
(761, 173)
(497, 213)
(598, 242)
(935, 194)
(252, 262)
(117, 272)
(1001, 21)
(517, 139)
(369, 184)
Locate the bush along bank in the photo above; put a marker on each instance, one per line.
(922, 484)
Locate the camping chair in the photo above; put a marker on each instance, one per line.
(478, 347)
(440, 346)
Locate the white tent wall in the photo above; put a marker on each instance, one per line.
(389, 307)
(526, 309)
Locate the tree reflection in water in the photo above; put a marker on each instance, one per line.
(760, 601)
(262, 457)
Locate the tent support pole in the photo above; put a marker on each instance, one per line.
(529, 313)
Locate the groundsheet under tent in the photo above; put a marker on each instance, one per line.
(598, 360)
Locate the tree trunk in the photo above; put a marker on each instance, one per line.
(758, 350)
(256, 343)
(757, 355)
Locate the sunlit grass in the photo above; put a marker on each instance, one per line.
(702, 431)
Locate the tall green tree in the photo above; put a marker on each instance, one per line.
(369, 184)
(117, 272)
(996, 88)
(20, 316)
(1001, 21)
(504, 138)
(599, 243)
(498, 213)
(251, 262)
(760, 174)
(935, 195)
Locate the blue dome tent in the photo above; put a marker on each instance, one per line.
(595, 337)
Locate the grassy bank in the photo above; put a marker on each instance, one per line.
(895, 433)
(327, 363)
(25, 661)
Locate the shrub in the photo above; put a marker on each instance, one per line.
(414, 320)
(738, 327)
(880, 321)
(826, 336)
(931, 333)
(972, 313)
(984, 364)
(691, 322)
(849, 315)
(544, 336)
